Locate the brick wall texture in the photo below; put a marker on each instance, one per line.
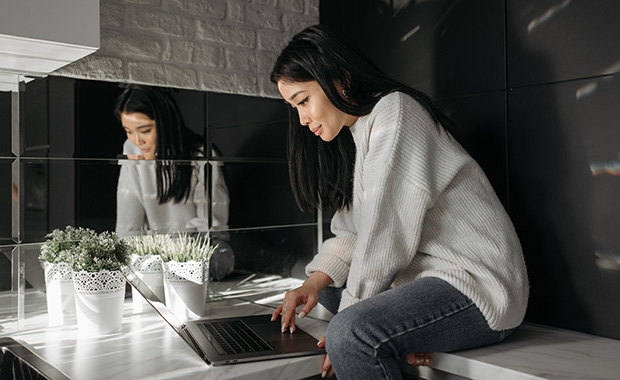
(224, 46)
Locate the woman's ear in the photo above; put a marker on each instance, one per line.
(347, 81)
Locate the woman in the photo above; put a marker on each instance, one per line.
(424, 256)
(167, 194)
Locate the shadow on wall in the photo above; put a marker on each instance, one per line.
(553, 133)
(454, 51)
(451, 50)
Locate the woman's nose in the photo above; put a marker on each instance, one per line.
(134, 139)
(303, 118)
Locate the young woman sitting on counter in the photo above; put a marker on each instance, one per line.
(424, 258)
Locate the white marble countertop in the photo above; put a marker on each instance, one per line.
(534, 352)
(147, 348)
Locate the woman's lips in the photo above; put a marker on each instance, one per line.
(317, 131)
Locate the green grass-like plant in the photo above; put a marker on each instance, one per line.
(60, 243)
(187, 248)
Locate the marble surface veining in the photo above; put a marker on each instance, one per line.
(538, 352)
(147, 348)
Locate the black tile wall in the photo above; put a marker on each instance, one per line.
(63, 192)
(443, 47)
(284, 251)
(260, 195)
(564, 153)
(244, 128)
(534, 87)
(552, 40)
(7, 195)
(5, 269)
(5, 124)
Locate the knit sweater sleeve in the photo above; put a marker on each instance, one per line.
(334, 257)
(399, 180)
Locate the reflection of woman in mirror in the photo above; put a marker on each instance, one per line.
(159, 188)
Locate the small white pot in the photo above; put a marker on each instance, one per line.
(59, 293)
(149, 269)
(99, 298)
(186, 288)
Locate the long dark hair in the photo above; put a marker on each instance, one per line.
(174, 140)
(321, 173)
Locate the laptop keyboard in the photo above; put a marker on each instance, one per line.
(235, 337)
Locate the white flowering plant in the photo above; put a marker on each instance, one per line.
(187, 248)
(144, 245)
(104, 251)
(60, 243)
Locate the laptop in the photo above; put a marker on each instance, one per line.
(222, 341)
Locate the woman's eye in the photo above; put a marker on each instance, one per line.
(303, 101)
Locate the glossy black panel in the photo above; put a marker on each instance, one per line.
(69, 118)
(443, 47)
(33, 270)
(5, 274)
(480, 126)
(5, 124)
(69, 171)
(260, 195)
(552, 40)
(282, 251)
(100, 135)
(35, 119)
(68, 192)
(249, 127)
(564, 180)
(8, 193)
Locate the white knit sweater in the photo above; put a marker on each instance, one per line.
(138, 206)
(422, 207)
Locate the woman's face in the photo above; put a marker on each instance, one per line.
(314, 108)
(141, 132)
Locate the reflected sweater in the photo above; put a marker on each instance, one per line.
(422, 207)
(138, 206)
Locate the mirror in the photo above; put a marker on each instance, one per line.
(74, 144)
(66, 156)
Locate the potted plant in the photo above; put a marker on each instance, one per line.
(146, 262)
(99, 283)
(58, 275)
(186, 275)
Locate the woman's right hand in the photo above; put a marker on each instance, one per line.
(304, 295)
(307, 294)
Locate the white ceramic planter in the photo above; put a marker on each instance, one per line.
(186, 288)
(150, 270)
(99, 299)
(59, 293)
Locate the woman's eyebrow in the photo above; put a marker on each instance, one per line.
(142, 126)
(292, 98)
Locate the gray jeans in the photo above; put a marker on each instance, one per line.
(365, 340)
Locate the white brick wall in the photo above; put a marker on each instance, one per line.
(210, 45)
